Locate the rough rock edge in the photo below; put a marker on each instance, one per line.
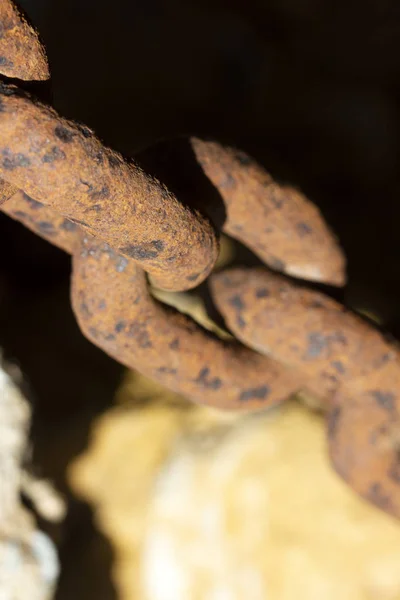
(29, 565)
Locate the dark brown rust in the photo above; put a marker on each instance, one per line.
(117, 313)
(64, 165)
(43, 220)
(7, 190)
(21, 54)
(277, 222)
(364, 437)
(306, 340)
(299, 327)
(352, 365)
(315, 344)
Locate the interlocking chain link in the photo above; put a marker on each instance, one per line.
(119, 223)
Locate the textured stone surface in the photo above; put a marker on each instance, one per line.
(206, 505)
(28, 560)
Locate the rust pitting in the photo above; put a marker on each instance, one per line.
(339, 357)
(120, 204)
(22, 55)
(119, 223)
(298, 241)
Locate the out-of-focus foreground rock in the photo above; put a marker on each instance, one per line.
(28, 560)
(202, 505)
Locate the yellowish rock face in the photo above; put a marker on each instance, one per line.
(201, 505)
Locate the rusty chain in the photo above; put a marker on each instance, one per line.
(119, 223)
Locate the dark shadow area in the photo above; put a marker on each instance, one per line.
(310, 88)
(174, 163)
(86, 558)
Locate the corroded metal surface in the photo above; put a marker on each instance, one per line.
(310, 341)
(116, 312)
(7, 190)
(352, 365)
(301, 328)
(276, 221)
(43, 220)
(364, 437)
(64, 165)
(22, 56)
(119, 223)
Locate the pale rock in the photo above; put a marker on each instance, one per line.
(202, 505)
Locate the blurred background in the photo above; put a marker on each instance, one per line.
(311, 89)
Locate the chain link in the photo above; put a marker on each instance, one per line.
(119, 223)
